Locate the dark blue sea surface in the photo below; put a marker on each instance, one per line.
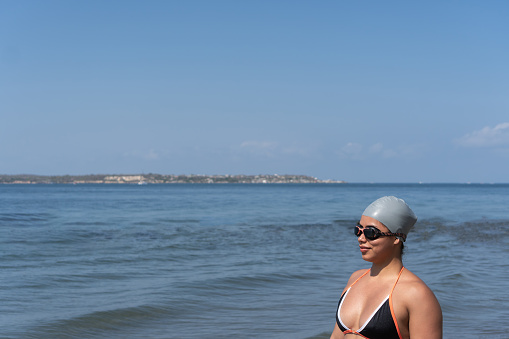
(229, 261)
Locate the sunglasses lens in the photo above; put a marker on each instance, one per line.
(357, 231)
(371, 233)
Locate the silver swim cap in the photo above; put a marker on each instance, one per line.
(394, 213)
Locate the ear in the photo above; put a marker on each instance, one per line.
(396, 240)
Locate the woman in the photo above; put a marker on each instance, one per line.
(387, 301)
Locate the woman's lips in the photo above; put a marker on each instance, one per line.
(363, 249)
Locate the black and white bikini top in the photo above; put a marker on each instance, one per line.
(382, 323)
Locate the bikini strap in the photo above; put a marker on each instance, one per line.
(399, 275)
(392, 307)
(359, 278)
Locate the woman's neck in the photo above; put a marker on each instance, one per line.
(385, 268)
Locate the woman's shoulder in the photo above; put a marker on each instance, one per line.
(353, 278)
(414, 289)
(411, 279)
(356, 275)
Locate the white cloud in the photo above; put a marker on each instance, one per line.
(264, 148)
(376, 148)
(151, 155)
(258, 144)
(274, 149)
(486, 137)
(147, 155)
(379, 149)
(351, 150)
(357, 151)
(305, 151)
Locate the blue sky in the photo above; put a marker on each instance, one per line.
(362, 91)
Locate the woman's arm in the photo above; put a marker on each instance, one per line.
(337, 334)
(425, 314)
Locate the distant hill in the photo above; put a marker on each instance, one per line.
(161, 179)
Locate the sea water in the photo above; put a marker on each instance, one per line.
(230, 261)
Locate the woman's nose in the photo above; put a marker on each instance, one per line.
(361, 238)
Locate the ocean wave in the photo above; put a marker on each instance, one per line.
(475, 231)
(25, 218)
(103, 323)
(85, 223)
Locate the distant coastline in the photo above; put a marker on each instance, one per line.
(151, 178)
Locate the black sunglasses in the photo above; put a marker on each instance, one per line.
(372, 233)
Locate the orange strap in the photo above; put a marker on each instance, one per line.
(392, 308)
(359, 278)
(354, 332)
